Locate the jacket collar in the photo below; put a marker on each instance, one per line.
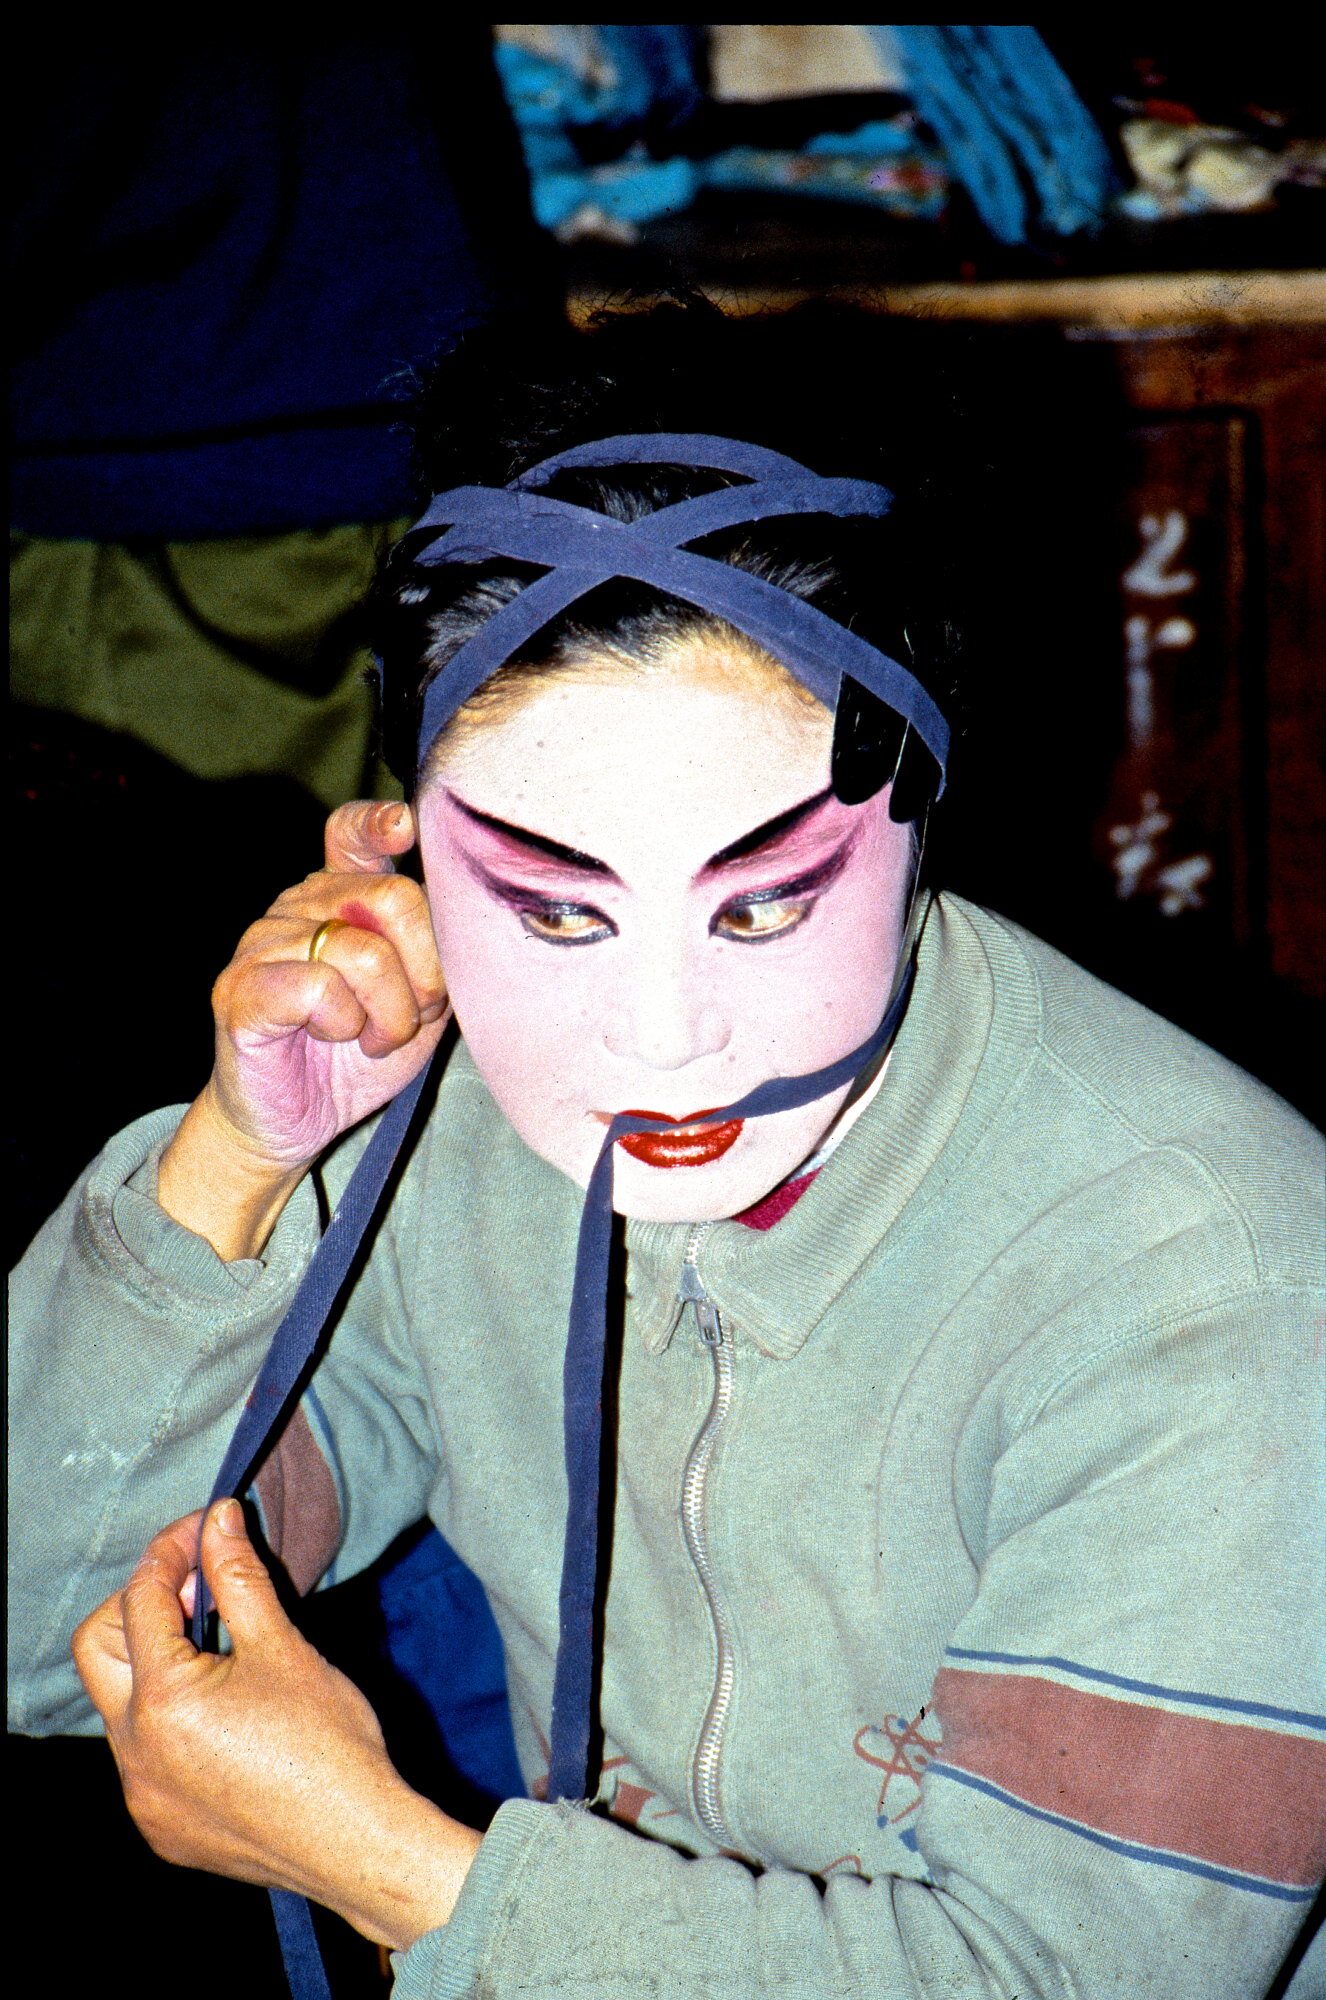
(970, 1030)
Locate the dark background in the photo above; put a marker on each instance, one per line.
(1095, 414)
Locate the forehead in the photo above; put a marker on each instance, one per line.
(670, 761)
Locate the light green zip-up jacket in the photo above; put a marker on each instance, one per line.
(964, 1627)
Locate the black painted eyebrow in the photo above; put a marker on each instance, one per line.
(765, 835)
(570, 857)
(741, 849)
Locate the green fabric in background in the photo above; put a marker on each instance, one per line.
(232, 657)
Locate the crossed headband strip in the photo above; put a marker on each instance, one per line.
(582, 549)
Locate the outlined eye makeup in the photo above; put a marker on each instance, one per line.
(754, 918)
(763, 914)
(564, 923)
(551, 919)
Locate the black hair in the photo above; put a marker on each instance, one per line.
(815, 384)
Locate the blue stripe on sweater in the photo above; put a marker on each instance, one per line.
(1159, 1856)
(1304, 1718)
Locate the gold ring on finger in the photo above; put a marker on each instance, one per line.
(317, 942)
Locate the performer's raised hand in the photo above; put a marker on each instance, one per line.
(333, 1001)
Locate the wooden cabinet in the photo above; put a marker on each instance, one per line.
(1204, 888)
(1184, 856)
(1223, 610)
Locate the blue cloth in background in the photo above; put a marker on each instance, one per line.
(643, 76)
(657, 73)
(441, 1638)
(649, 81)
(1009, 125)
(232, 257)
(1015, 132)
(883, 164)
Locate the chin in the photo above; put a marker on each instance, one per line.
(713, 1192)
(694, 1194)
(680, 1194)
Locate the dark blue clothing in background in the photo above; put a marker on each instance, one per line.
(229, 262)
(441, 1637)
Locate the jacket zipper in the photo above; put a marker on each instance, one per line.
(694, 1496)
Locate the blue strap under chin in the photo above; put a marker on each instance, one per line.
(581, 549)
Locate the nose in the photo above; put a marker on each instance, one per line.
(665, 1015)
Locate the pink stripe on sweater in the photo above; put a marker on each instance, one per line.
(1224, 1792)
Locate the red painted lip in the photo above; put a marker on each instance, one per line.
(693, 1144)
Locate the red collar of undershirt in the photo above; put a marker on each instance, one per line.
(773, 1206)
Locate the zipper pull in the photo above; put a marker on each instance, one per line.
(691, 1292)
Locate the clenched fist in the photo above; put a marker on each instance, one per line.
(307, 1048)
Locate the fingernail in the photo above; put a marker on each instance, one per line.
(391, 818)
(229, 1517)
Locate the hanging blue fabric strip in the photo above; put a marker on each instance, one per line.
(291, 1351)
(1014, 129)
(574, 1679)
(296, 1340)
(297, 1336)
(306, 1976)
(582, 1439)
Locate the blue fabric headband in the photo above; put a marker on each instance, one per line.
(581, 548)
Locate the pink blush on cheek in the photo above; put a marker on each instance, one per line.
(809, 998)
(528, 1012)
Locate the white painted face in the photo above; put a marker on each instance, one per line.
(647, 899)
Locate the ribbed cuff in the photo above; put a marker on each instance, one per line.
(444, 1964)
(125, 1217)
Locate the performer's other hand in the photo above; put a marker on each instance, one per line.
(265, 1763)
